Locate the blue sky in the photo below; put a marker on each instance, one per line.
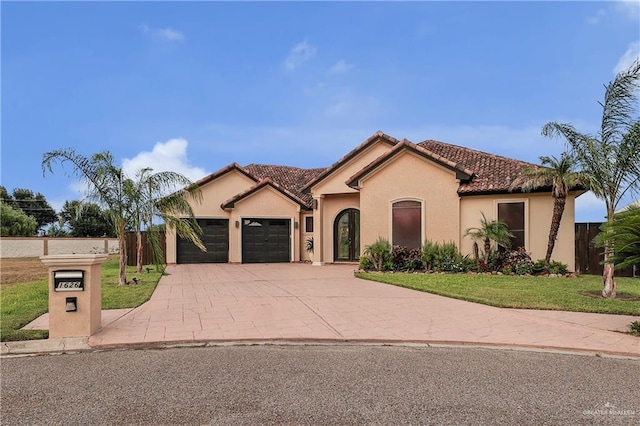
(194, 86)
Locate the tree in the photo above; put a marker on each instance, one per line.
(609, 159)
(490, 230)
(559, 175)
(624, 231)
(86, 219)
(15, 223)
(107, 185)
(34, 205)
(153, 195)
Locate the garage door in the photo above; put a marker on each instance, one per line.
(266, 240)
(215, 238)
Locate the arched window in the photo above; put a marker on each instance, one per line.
(407, 224)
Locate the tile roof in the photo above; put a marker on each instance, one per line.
(292, 179)
(489, 173)
(492, 173)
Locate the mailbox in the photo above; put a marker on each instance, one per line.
(68, 281)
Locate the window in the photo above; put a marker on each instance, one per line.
(407, 224)
(513, 215)
(308, 224)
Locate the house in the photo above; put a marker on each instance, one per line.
(399, 190)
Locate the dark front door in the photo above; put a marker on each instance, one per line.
(346, 236)
(215, 237)
(266, 240)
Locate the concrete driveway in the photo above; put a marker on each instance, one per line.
(222, 302)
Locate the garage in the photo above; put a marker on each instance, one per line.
(215, 238)
(266, 240)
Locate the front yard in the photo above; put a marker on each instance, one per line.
(24, 294)
(508, 291)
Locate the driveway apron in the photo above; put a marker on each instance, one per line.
(300, 302)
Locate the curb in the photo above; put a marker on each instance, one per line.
(80, 344)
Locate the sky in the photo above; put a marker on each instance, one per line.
(194, 86)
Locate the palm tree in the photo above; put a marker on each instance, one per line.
(560, 176)
(153, 195)
(490, 230)
(107, 185)
(609, 159)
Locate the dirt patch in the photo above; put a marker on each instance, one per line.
(20, 270)
(625, 297)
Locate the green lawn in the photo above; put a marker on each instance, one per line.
(566, 294)
(22, 303)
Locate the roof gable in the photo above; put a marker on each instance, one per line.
(377, 137)
(267, 182)
(462, 174)
(223, 171)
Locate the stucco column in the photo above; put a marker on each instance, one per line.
(318, 226)
(75, 294)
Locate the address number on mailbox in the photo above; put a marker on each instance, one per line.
(68, 281)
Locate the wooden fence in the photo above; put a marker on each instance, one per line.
(588, 256)
(147, 253)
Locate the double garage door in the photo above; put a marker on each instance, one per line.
(263, 241)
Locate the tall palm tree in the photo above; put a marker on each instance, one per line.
(107, 185)
(154, 195)
(488, 231)
(609, 159)
(558, 174)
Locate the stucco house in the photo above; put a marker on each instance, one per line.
(403, 191)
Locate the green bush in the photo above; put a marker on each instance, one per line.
(448, 258)
(379, 253)
(556, 267)
(429, 254)
(365, 264)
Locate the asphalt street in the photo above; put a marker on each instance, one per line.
(335, 384)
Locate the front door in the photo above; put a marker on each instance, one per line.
(346, 236)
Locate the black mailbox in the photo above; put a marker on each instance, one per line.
(68, 281)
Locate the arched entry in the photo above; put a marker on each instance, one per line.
(346, 236)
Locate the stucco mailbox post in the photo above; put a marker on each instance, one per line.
(75, 294)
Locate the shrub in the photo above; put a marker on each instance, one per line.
(379, 253)
(635, 328)
(556, 267)
(406, 260)
(448, 258)
(540, 267)
(429, 254)
(365, 263)
(520, 261)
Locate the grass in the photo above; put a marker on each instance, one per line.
(507, 291)
(22, 302)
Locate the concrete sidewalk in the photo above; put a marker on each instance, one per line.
(299, 302)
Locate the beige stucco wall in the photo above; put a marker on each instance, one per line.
(269, 204)
(335, 182)
(410, 177)
(538, 213)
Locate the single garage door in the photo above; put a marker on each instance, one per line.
(266, 240)
(215, 238)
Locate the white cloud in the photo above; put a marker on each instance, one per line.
(341, 67)
(597, 17)
(166, 34)
(629, 57)
(629, 9)
(299, 54)
(165, 156)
